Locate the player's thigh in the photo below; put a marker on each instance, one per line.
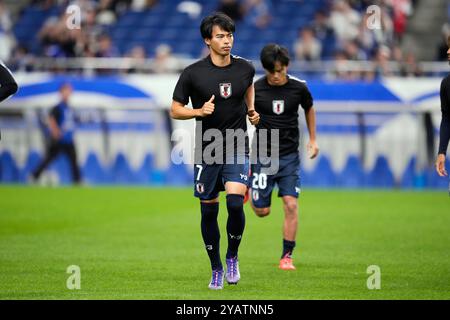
(261, 188)
(236, 177)
(206, 181)
(288, 179)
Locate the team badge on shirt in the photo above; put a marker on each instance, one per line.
(225, 90)
(278, 106)
(200, 187)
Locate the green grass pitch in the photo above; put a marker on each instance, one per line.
(145, 243)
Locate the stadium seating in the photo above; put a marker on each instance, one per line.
(165, 24)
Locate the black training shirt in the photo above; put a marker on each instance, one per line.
(278, 109)
(228, 84)
(445, 123)
(8, 85)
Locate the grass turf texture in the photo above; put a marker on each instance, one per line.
(143, 243)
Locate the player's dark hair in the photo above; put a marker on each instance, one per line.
(216, 19)
(272, 53)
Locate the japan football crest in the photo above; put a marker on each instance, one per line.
(225, 90)
(278, 106)
(200, 187)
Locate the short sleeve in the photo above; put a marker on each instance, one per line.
(182, 90)
(306, 98)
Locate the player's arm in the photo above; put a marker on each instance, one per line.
(310, 116)
(55, 131)
(253, 116)
(444, 133)
(178, 110)
(8, 86)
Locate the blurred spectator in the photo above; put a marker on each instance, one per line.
(231, 8)
(345, 21)
(443, 46)
(321, 26)
(381, 61)
(410, 68)
(139, 5)
(257, 12)
(7, 39)
(139, 55)
(401, 10)
(164, 60)
(307, 47)
(354, 52)
(105, 48)
(21, 59)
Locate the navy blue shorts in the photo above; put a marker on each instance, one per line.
(287, 178)
(210, 179)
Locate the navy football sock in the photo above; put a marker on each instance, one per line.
(288, 248)
(211, 233)
(235, 223)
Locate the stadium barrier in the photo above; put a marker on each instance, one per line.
(370, 134)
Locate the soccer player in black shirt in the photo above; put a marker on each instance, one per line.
(8, 85)
(277, 100)
(221, 90)
(445, 122)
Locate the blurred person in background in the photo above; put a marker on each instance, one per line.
(165, 61)
(61, 124)
(7, 39)
(307, 46)
(232, 8)
(138, 54)
(258, 12)
(444, 134)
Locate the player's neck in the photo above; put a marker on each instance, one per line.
(219, 60)
(278, 84)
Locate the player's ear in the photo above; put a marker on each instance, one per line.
(207, 41)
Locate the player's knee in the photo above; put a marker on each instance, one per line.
(262, 212)
(291, 208)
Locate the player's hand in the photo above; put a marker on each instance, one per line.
(440, 165)
(208, 107)
(312, 149)
(253, 116)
